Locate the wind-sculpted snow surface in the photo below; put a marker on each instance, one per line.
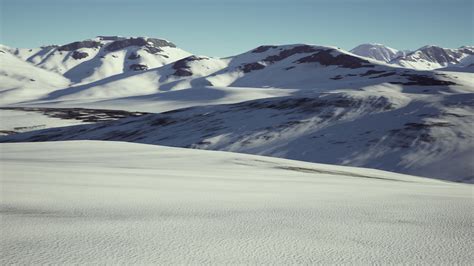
(121, 203)
(368, 128)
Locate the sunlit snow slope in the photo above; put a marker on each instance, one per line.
(110, 202)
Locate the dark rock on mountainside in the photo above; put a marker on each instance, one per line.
(138, 67)
(182, 68)
(422, 80)
(371, 72)
(79, 55)
(325, 58)
(78, 45)
(160, 42)
(263, 48)
(150, 44)
(82, 114)
(302, 49)
(252, 66)
(110, 38)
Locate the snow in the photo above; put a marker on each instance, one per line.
(21, 121)
(89, 202)
(415, 130)
(432, 57)
(99, 63)
(22, 81)
(422, 129)
(377, 51)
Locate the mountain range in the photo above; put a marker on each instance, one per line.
(428, 57)
(403, 111)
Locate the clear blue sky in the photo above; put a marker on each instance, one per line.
(227, 27)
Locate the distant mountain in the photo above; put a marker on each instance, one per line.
(378, 52)
(297, 66)
(101, 57)
(428, 57)
(433, 57)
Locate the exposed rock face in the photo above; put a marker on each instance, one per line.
(150, 44)
(325, 58)
(467, 49)
(435, 55)
(78, 45)
(303, 49)
(49, 46)
(263, 48)
(182, 68)
(160, 43)
(110, 38)
(318, 55)
(252, 66)
(371, 72)
(79, 55)
(423, 80)
(138, 67)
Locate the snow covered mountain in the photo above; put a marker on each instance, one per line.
(428, 57)
(101, 57)
(434, 57)
(378, 52)
(20, 80)
(291, 101)
(264, 71)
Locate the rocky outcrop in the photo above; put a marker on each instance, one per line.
(325, 58)
(151, 45)
(79, 55)
(263, 48)
(182, 68)
(252, 66)
(138, 67)
(78, 45)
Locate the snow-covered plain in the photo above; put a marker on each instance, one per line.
(112, 202)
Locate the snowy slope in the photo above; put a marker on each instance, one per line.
(91, 60)
(420, 130)
(378, 52)
(122, 203)
(21, 81)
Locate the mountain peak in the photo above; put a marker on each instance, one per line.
(376, 51)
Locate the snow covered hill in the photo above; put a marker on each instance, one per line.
(21, 81)
(378, 52)
(422, 130)
(94, 202)
(433, 57)
(428, 57)
(91, 60)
